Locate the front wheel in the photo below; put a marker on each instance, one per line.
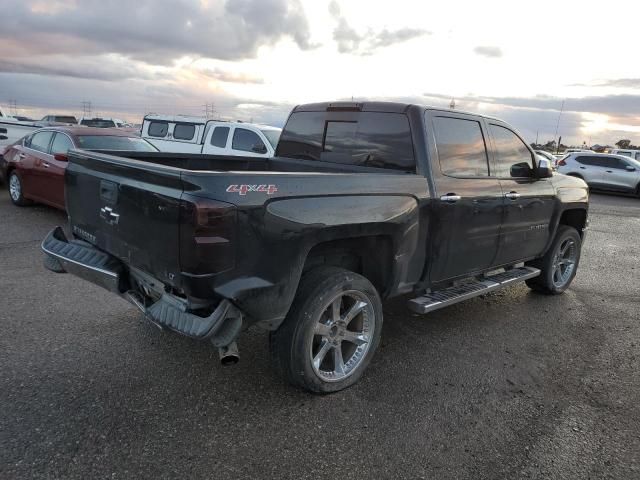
(559, 265)
(331, 332)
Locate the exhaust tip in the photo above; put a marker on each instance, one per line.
(229, 360)
(229, 354)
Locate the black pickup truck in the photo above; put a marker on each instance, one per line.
(362, 202)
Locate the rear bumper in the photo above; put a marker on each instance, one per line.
(83, 260)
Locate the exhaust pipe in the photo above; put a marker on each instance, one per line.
(229, 354)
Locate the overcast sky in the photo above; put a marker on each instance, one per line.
(255, 59)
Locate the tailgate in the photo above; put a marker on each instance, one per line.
(127, 208)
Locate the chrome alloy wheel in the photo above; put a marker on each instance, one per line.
(15, 189)
(564, 262)
(342, 336)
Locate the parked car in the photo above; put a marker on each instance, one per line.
(66, 119)
(182, 134)
(101, 122)
(357, 206)
(549, 156)
(634, 154)
(34, 166)
(615, 173)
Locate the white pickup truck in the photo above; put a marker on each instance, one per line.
(12, 129)
(182, 134)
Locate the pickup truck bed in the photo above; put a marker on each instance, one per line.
(362, 202)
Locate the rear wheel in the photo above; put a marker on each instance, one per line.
(16, 191)
(559, 265)
(331, 331)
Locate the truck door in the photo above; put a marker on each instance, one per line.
(529, 201)
(467, 209)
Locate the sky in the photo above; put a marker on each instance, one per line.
(256, 59)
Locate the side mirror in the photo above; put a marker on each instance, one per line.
(61, 157)
(520, 170)
(544, 169)
(631, 168)
(259, 148)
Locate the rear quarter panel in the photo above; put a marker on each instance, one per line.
(276, 231)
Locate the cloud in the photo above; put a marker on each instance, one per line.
(92, 68)
(538, 115)
(488, 51)
(349, 40)
(151, 32)
(633, 83)
(230, 77)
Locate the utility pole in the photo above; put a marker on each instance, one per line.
(13, 107)
(537, 138)
(209, 110)
(557, 127)
(86, 108)
(452, 105)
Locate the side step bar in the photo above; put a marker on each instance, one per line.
(470, 288)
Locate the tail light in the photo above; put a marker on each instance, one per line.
(207, 235)
(561, 163)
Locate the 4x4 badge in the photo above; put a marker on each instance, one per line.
(243, 189)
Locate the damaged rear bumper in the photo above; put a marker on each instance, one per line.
(85, 261)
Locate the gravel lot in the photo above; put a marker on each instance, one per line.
(511, 385)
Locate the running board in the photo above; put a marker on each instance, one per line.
(470, 288)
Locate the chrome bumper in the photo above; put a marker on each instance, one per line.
(82, 260)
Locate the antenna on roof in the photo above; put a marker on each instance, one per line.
(452, 105)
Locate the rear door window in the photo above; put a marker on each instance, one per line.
(370, 139)
(61, 144)
(184, 131)
(40, 141)
(219, 137)
(158, 129)
(512, 155)
(461, 147)
(247, 141)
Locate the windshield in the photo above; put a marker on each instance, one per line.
(273, 136)
(108, 142)
(99, 123)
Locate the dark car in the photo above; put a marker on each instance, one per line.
(59, 119)
(34, 166)
(362, 202)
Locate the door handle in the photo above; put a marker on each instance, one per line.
(45, 165)
(450, 198)
(22, 155)
(609, 171)
(583, 168)
(512, 195)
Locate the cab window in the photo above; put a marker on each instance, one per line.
(247, 141)
(461, 147)
(513, 158)
(219, 137)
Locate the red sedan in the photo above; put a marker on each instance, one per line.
(34, 165)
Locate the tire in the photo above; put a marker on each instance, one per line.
(16, 192)
(559, 265)
(318, 328)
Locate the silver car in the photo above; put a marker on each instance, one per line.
(615, 173)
